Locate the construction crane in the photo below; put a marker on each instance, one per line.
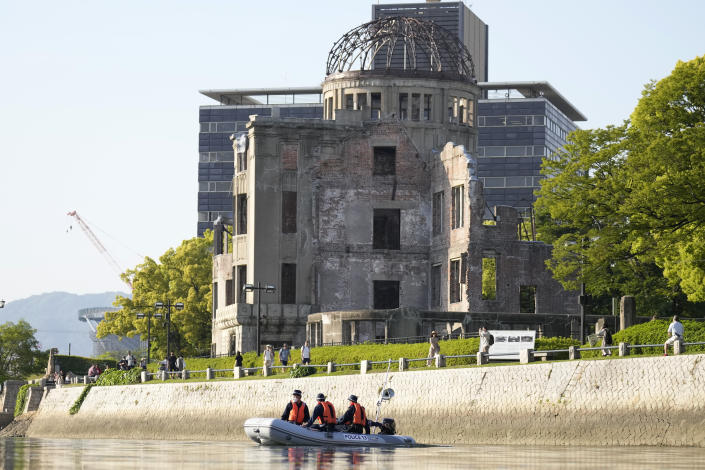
(96, 242)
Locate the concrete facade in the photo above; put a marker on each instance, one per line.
(654, 401)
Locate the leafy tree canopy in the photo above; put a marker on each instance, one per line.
(624, 206)
(19, 353)
(183, 275)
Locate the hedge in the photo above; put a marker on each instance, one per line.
(654, 332)
(80, 365)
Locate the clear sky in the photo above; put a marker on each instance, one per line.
(99, 103)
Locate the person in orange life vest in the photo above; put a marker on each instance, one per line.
(323, 415)
(355, 417)
(296, 411)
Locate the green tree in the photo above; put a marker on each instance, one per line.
(666, 168)
(19, 353)
(183, 275)
(624, 206)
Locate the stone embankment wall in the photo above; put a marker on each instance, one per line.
(636, 401)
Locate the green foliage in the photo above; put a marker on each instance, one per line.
(79, 401)
(79, 365)
(181, 275)
(624, 207)
(119, 377)
(19, 353)
(557, 342)
(654, 332)
(302, 371)
(22, 398)
(489, 278)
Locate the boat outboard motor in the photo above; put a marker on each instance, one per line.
(388, 427)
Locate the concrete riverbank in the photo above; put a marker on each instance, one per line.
(634, 401)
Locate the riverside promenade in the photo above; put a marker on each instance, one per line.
(629, 401)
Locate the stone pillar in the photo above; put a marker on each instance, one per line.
(623, 349)
(331, 367)
(679, 347)
(482, 358)
(185, 374)
(266, 371)
(143, 376)
(627, 312)
(526, 356)
(573, 352)
(440, 360)
(209, 373)
(403, 364)
(599, 324)
(164, 375)
(237, 372)
(364, 366)
(86, 380)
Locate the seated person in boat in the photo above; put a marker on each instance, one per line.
(296, 411)
(355, 417)
(323, 417)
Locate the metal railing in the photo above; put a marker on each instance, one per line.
(527, 355)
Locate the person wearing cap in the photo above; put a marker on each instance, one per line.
(355, 417)
(323, 417)
(296, 411)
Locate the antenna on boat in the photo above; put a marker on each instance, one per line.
(387, 393)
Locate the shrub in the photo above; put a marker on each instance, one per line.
(79, 401)
(80, 365)
(654, 332)
(22, 398)
(302, 371)
(119, 377)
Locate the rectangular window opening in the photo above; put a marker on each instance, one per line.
(438, 208)
(436, 285)
(375, 105)
(385, 161)
(288, 211)
(527, 299)
(427, 107)
(361, 100)
(403, 106)
(241, 281)
(415, 106)
(288, 284)
(454, 280)
(386, 229)
(457, 205)
(229, 293)
(489, 278)
(386, 294)
(241, 214)
(349, 101)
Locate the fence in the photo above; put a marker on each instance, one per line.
(365, 366)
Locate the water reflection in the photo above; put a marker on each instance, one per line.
(120, 454)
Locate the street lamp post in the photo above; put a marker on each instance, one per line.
(149, 328)
(268, 288)
(168, 304)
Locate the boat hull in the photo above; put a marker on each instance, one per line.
(275, 432)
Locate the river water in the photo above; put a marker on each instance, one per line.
(26, 453)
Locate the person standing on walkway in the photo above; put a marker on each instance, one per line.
(305, 353)
(606, 336)
(434, 348)
(676, 330)
(484, 340)
(268, 356)
(238, 359)
(284, 355)
(172, 362)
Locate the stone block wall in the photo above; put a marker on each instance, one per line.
(634, 401)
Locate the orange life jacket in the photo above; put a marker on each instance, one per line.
(296, 414)
(359, 417)
(328, 413)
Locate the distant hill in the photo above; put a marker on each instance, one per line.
(55, 317)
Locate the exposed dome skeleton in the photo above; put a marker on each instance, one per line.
(424, 46)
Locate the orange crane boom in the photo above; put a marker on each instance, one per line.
(96, 242)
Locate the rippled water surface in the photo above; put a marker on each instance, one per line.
(153, 455)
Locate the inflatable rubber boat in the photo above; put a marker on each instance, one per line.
(272, 432)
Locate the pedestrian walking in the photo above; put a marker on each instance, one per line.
(434, 348)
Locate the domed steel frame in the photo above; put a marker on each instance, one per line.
(424, 45)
